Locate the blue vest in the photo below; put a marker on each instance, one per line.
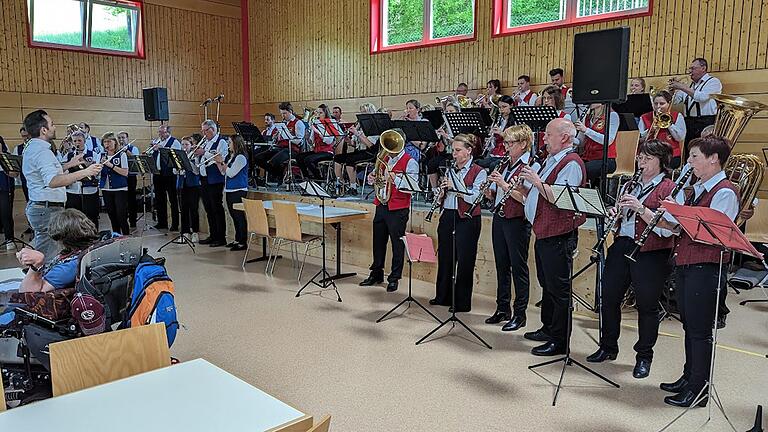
(167, 169)
(88, 158)
(130, 153)
(189, 179)
(212, 171)
(240, 180)
(116, 181)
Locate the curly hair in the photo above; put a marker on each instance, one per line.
(72, 229)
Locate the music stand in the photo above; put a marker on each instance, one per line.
(285, 134)
(417, 130)
(249, 132)
(485, 115)
(375, 123)
(636, 104)
(310, 188)
(536, 117)
(457, 186)
(435, 117)
(11, 163)
(586, 202)
(467, 122)
(181, 163)
(142, 165)
(710, 227)
(418, 248)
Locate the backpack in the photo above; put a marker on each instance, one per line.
(152, 298)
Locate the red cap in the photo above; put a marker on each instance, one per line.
(89, 314)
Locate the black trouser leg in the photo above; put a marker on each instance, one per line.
(90, 206)
(503, 263)
(109, 203)
(174, 200)
(238, 216)
(207, 205)
(132, 207)
(311, 162)
(161, 205)
(121, 211)
(275, 164)
(216, 216)
(556, 255)
(616, 280)
(510, 249)
(649, 274)
(74, 202)
(696, 293)
(396, 222)
(467, 236)
(444, 259)
(190, 214)
(380, 238)
(6, 213)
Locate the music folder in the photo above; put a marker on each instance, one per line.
(10, 162)
(374, 124)
(419, 248)
(417, 130)
(175, 158)
(579, 199)
(636, 104)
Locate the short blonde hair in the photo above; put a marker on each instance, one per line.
(368, 108)
(521, 132)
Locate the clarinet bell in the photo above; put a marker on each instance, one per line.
(758, 427)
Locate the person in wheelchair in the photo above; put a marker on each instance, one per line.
(75, 232)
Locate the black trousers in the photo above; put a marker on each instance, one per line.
(693, 128)
(213, 196)
(388, 225)
(308, 163)
(510, 239)
(133, 208)
(6, 213)
(594, 168)
(86, 203)
(116, 203)
(647, 276)
(165, 191)
(467, 236)
(190, 209)
(238, 216)
(355, 157)
(554, 262)
(696, 298)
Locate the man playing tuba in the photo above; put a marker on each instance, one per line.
(392, 205)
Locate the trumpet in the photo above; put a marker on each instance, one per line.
(150, 149)
(191, 152)
(487, 183)
(208, 161)
(611, 223)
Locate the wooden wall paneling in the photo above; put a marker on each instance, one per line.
(751, 18)
(726, 41)
(762, 45)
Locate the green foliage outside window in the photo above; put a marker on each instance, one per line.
(405, 19)
(527, 12)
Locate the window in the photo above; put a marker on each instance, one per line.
(100, 26)
(401, 24)
(519, 16)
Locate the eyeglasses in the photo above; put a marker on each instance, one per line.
(640, 158)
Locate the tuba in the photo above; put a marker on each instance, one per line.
(392, 142)
(744, 170)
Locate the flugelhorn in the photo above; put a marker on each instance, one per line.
(392, 142)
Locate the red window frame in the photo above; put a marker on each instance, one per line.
(139, 53)
(377, 29)
(500, 22)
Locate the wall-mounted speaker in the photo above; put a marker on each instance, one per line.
(155, 104)
(600, 66)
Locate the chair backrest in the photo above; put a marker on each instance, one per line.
(626, 151)
(89, 361)
(287, 221)
(757, 226)
(256, 216)
(323, 426)
(2, 395)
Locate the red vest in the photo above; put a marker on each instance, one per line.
(592, 149)
(469, 180)
(512, 207)
(653, 202)
(397, 200)
(689, 252)
(527, 98)
(551, 221)
(291, 127)
(564, 90)
(498, 149)
(663, 134)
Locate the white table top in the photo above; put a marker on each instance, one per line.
(315, 211)
(191, 396)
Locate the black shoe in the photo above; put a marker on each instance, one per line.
(434, 302)
(392, 286)
(450, 310)
(372, 280)
(217, 243)
(685, 399)
(238, 247)
(721, 321)
(233, 244)
(497, 317)
(675, 387)
(539, 336)
(642, 369)
(516, 323)
(548, 349)
(173, 228)
(600, 356)
(206, 241)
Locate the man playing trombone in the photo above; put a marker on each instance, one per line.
(165, 182)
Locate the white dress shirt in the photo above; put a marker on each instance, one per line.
(217, 144)
(507, 174)
(570, 174)
(451, 198)
(176, 145)
(627, 228)
(701, 104)
(411, 170)
(40, 166)
(724, 201)
(531, 102)
(676, 129)
(598, 137)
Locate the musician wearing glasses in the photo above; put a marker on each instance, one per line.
(165, 181)
(700, 108)
(114, 184)
(322, 136)
(212, 181)
(495, 148)
(697, 265)
(511, 232)
(83, 195)
(674, 134)
(124, 140)
(524, 96)
(649, 271)
(556, 233)
(467, 229)
(591, 135)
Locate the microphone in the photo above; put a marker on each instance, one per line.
(219, 98)
(207, 101)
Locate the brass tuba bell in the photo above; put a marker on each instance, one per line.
(392, 142)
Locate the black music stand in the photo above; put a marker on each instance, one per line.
(249, 132)
(587, 202)
(485, 115)
(435, 117)
(11, 163)
(310, 188)
(418, 249)
(458, 187)
(417, 130)
(181, 163)
(142, 165)
(636, 105)
(285, 134)
(710, 227)
(536, 117)
(375, 123)
(467, 122)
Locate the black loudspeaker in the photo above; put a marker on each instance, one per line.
(155, 104)
(600, 66)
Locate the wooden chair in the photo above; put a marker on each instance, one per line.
(2, 395)
(626, 151)
(89, 361)
(323, 426)
(289, 231)
(367, 168)
(258, 224)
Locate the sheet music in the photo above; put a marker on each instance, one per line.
(313, 189)
(584, 200)
(457, 184)
(419, 248)
(283, 131)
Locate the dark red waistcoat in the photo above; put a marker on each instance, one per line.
(664, 134)
(551, 221)
(397, 200)
(469, 180)
(512, 207)
(592, 149)
(653, 202)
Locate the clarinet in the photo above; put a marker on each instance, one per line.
(657, 217)
(611, 223)
(499, 208)
(486, 184)
(438, 198)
